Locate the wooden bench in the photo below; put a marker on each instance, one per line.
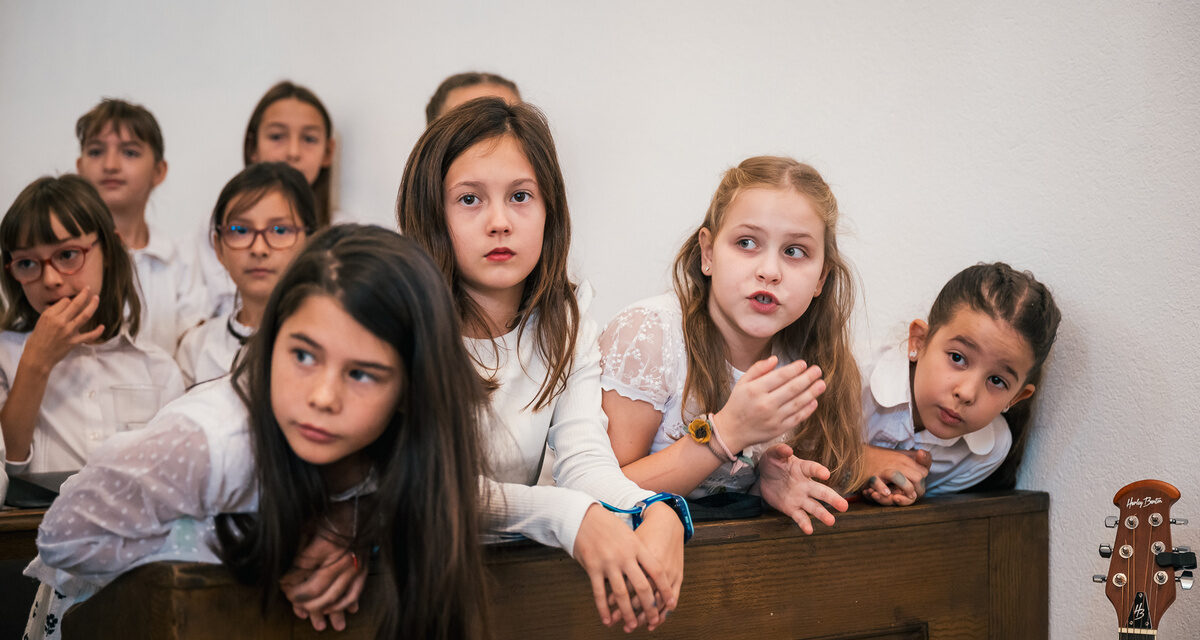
(962, 567)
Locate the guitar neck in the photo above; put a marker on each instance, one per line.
(1137, 634)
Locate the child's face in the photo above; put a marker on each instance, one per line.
(767, 263)
(334, 384)
(256, 269)
(496, 217)
(969, 371)
(487, 90)
(121, 167)
(293, 131)
(52, 285)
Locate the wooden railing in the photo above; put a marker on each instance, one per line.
(972, 566)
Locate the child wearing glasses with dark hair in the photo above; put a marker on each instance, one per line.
(68, 336)
(262, 220)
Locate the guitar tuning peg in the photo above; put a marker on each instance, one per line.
(1179, 521)
(1181, 549)
(1100, 578)
(1111, 522)
(1184, 579)
(1105, 551)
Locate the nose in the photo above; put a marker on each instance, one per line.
(293, 149)
(112, 159)
(768, 268)
(51, 278)
(964, 390)
(260, 247)
(498, 222)
(326, 392)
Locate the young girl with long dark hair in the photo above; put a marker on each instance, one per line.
(353, 416)
(483, 193)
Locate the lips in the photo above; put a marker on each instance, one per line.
(763, 301)
(260, 273)
(111, 183)
(949, 417)
(499, 254)
(314, 434)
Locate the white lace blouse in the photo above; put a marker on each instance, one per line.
(643, 357)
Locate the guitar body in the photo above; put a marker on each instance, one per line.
(1139, 589)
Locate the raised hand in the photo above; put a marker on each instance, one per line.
(768, 402)
(58, 330)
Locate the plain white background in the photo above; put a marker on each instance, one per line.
(1063, 139)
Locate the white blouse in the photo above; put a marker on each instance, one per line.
(172, 292)
(644, 358)
(77, 412)
(573, 426)
(208, 350)
(958, 463)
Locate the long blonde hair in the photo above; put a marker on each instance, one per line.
(832, 435)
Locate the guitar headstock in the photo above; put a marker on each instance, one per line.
(1139, 585)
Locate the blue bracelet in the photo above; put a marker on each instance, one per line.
(676, 502)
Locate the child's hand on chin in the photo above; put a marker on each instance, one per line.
(794, 487)
(897, 477)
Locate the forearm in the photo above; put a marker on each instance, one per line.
(679, 468)
(19, 416)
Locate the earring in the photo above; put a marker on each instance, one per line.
(705, 269)
(912, 355)
(1006, 409)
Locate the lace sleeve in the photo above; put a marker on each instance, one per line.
(122, 505)
(634, 357)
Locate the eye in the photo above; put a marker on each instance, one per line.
(133, 153)
(957, 358)
(93, 152)
(795, 251)
(468, 199)
(238, 230)
(998, 381)
(311, 139)
(281, 231)
(303, 357)
(275, 137)
(67, 254)
(23, 264)
(522, 196)
(359, 375)
(746, 243)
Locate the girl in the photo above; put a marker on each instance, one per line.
(703, 386)
(959, 389)
(356, 389)
(483, 193)
(69, 335)
(289, 124)
(262, 220)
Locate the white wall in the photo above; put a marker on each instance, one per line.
(1063, 139)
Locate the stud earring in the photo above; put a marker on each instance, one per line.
(912, 355)
(705, 268)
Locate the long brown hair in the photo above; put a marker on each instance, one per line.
(832, 435)
(460, 80)
(78, 207)
(426, 515)
(549, 294)
(1020, 301)
(322, 189)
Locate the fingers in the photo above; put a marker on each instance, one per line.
(90, 336)
(616, 581)
(923, 458)
(600, 595)
(875, 484)
(760, 369)
(801, 518)
(779, 453)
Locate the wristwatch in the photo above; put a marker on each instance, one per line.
(676, 502)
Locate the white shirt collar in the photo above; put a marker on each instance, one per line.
(890, 388)
(159, 246)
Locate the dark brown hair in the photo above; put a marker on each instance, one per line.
(322, 189)
(460, 80)
(134, 118)
(549, 295)
(426, 515)
(79, 209)
(832, 434)
(1020, 301)
(254, 182)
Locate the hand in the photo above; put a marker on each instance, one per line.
(662, 533)
(326, 580)
(768, 402)
(58, 330)
(609, 551)
(896, 477)
(791, 485)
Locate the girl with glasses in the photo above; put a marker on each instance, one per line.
(69, 335)
(262, 220)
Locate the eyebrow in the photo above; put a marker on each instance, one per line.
(360, 364)
(477, 184)
(753, 227)
(970, 344)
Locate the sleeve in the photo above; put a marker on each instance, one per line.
(11, 467)
(121, 506)
(185, 355)
(548, 515)
(633, 357)
(584, 458)
(972, 469)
